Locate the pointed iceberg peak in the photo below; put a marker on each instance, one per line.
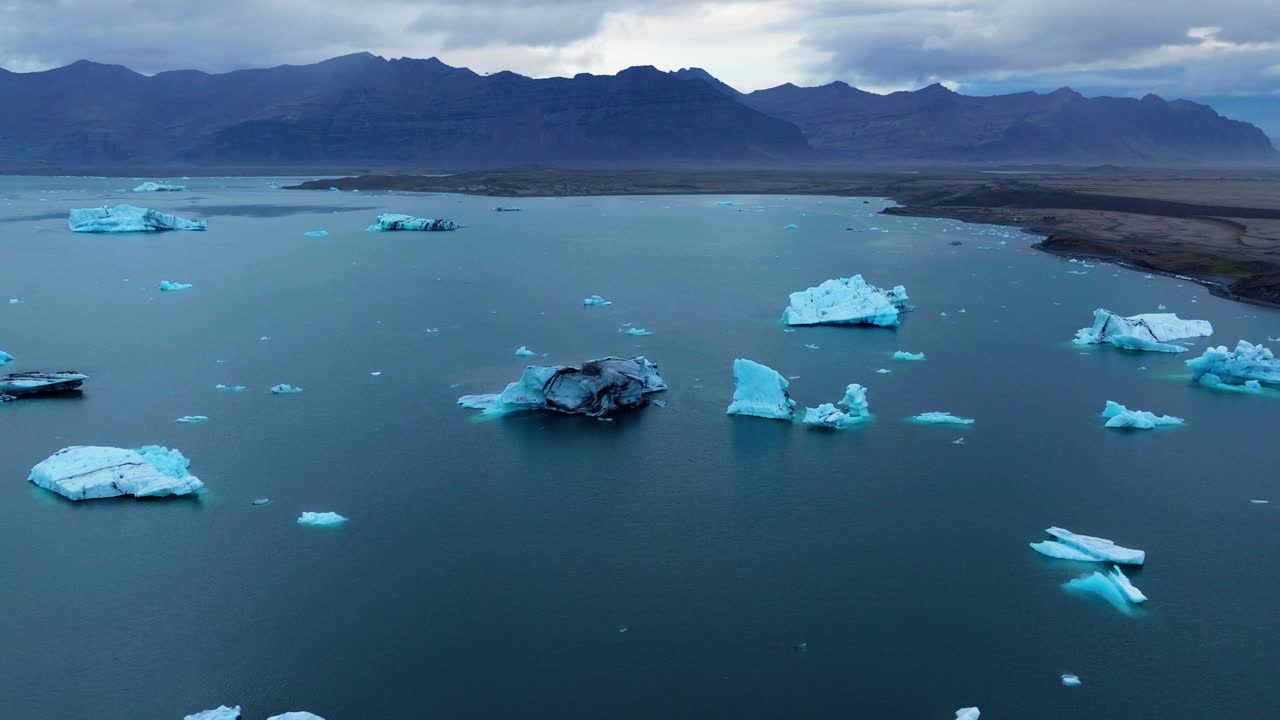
(759, 391)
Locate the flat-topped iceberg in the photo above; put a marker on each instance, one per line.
(846, 301)
(127, 219)
(28, 384)
(1248, 362)
(159, 187)
(1119, 416)
(759, 391)
(171, 286)
(219, 713)
(296, 714)
(850, 411)
(390, 222)
(316, 234)
(904, 355)
(285, 389)
(969, 713)
(1152, 332)
(1070, 546)
(321, 519)
(192, 419)
(595, 300)
(87, 472)
(595, 388)
(1114, 587)
(1070, 680)
(941, 418)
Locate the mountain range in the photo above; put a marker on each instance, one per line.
(365, 110)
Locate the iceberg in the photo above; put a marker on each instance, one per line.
(170, 286)
(321, 519)
(1069, 680)
(1085, 548)
(284, 389)
(523, 351)
(1250, 387)
(969, 713)
(5, 358)
(27, 384)
(220, 713)
(846, 301)
(791, 226)
(1114, 587)
(502, 208)
(127, 218)
(87, 473)
(759, 391)
(229, 388)
(1248, 362)
(595, 300)
(1119, 416)
(159, 187)
(316, 234)
(1152, 332)
(850, 411)
(635, 332)
(904, 355)
(941, 418)
(296, 715)
(389, 222)
(192, 419)
(595, 388)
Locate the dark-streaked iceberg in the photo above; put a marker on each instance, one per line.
(88, 472)
(759, 391)
(1152, 332)
(850, 411)
(127, 219)
(595, 388)
(159, 187)
(846, 301)
(1085, 548)
(390, 222)
(28, 384)
(1119, 416)
(1246, 366)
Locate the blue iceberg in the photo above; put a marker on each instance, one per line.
(759, 391)
(850, 411)
(192, 419)
(595, 300)
(1152, 332)
(1085, 548)
(904, 355)
(391, 222)
(321, 519)
(1248, 362)
(296, 715)
(220, 713)
(229, 388)
(846, 301)
(635, 332)
(316, 234)
(523, 351)
(969, 713)
(5, 357)
(1069, 680)
(159, 187)
(941, 418)
(126, 219)
(284, 389)
(88, 473)
(170, 286)
(1113, 587)
(1119, 416)
(595, 388)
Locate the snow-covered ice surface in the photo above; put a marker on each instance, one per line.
(171, 286)
(1119, 416)
(1151, 332)
(390, 222)
(221, 712)
(150, 186)
(1086, 548)
(846, 301)
(1114, 587)
(851, 410)
(595, 388)
(321, 519)
(759, 391)
(941, 418)
(127, 219)
(1248, 362)
(89, 472)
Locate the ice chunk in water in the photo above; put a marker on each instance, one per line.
(883, 371)
(170, 286)
(1069, 680)
(1236, 367)
(595, 300)
(296, 714)
(316, 233)
(1086, 548)
(284, 389)
(759, 391)
(523, 351)
(192, 419)
(87, 472)
(791, 226)
(850, 411)
(127, 218)
(846, 301)
(1114, 587)
(229, 388)
(1119, 416)
(969, 713)
(1151, 332)
(941, 418)
(904, 355)
(635, 332)
(594, 388)
(321, 519)
(159, 187)
(220, 713)
(5, 357)
(388, 222)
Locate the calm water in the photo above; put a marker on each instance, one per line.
(673, 563)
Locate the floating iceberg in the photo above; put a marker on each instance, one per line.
(229, 388)
(127, 218)
(1247, 362)
(1114, 587)
(389, 222)
(1069, 680)
(846, 301)
(941, 418)
(850, 411)
(316, 233)
(502, 208)
(321, 519)
(1250, 387)
(523, 351)
(595, 300)
(284, 389)
(635, 332)
(28, 384)
(87, 473)
(1070, 546)
(5, 357)
(1152, 332)
(192, 419)
(759, 391)
(969, 713)
(296, 715)
(220, 713)
(170, 286)
(791, 226)
(1119, 416)
(159, 187)
(904, 355)
(726, 203)
(883, 371)
(594, 388)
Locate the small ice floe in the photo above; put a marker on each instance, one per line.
(335, 189)
(1069, 680)
(391, 222)
(321, 519)
(969, 713)
(941, 418)
(759, 391)
(376, 373)
(1085, 548)
(1152, 332)
(159, 187)
(958, 441)
(523, 351)
(904, 355)
(1259, 502)
(219, 713)
(1119, 416)
(14, 301)
(811, 346)
(32, 384)
(87, 472)
(726, 203)
(230, 388)
(595, 300)
(126, 219)
(170, 286)
(1148, 277)
(850, 411)
(883, 371)
(284, 389)
(259, 502)
(791, 226)
(1077, 272)
(192, 419)
(846, 301)
(635, 332)
(1248, 366)
(1113, 587)
(502, 208)
(296, 715)
(316, 234)
(595, 388)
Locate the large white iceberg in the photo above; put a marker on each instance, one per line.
(159, 187)
(388, 222)
(1114, 587)
(760, 391)
(127, 218)
(1119, 416)
(594, 388)
(87, 472)
(846, 301)
(1070, 546)
(219, 713)
(850, 411)
(1152, 331)
(1247, 363)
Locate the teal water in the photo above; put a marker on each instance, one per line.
(673, 563)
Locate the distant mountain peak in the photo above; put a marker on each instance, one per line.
(697, 73)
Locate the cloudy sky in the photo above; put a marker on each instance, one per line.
(1227, 51)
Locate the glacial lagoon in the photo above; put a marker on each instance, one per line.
(674, 562)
